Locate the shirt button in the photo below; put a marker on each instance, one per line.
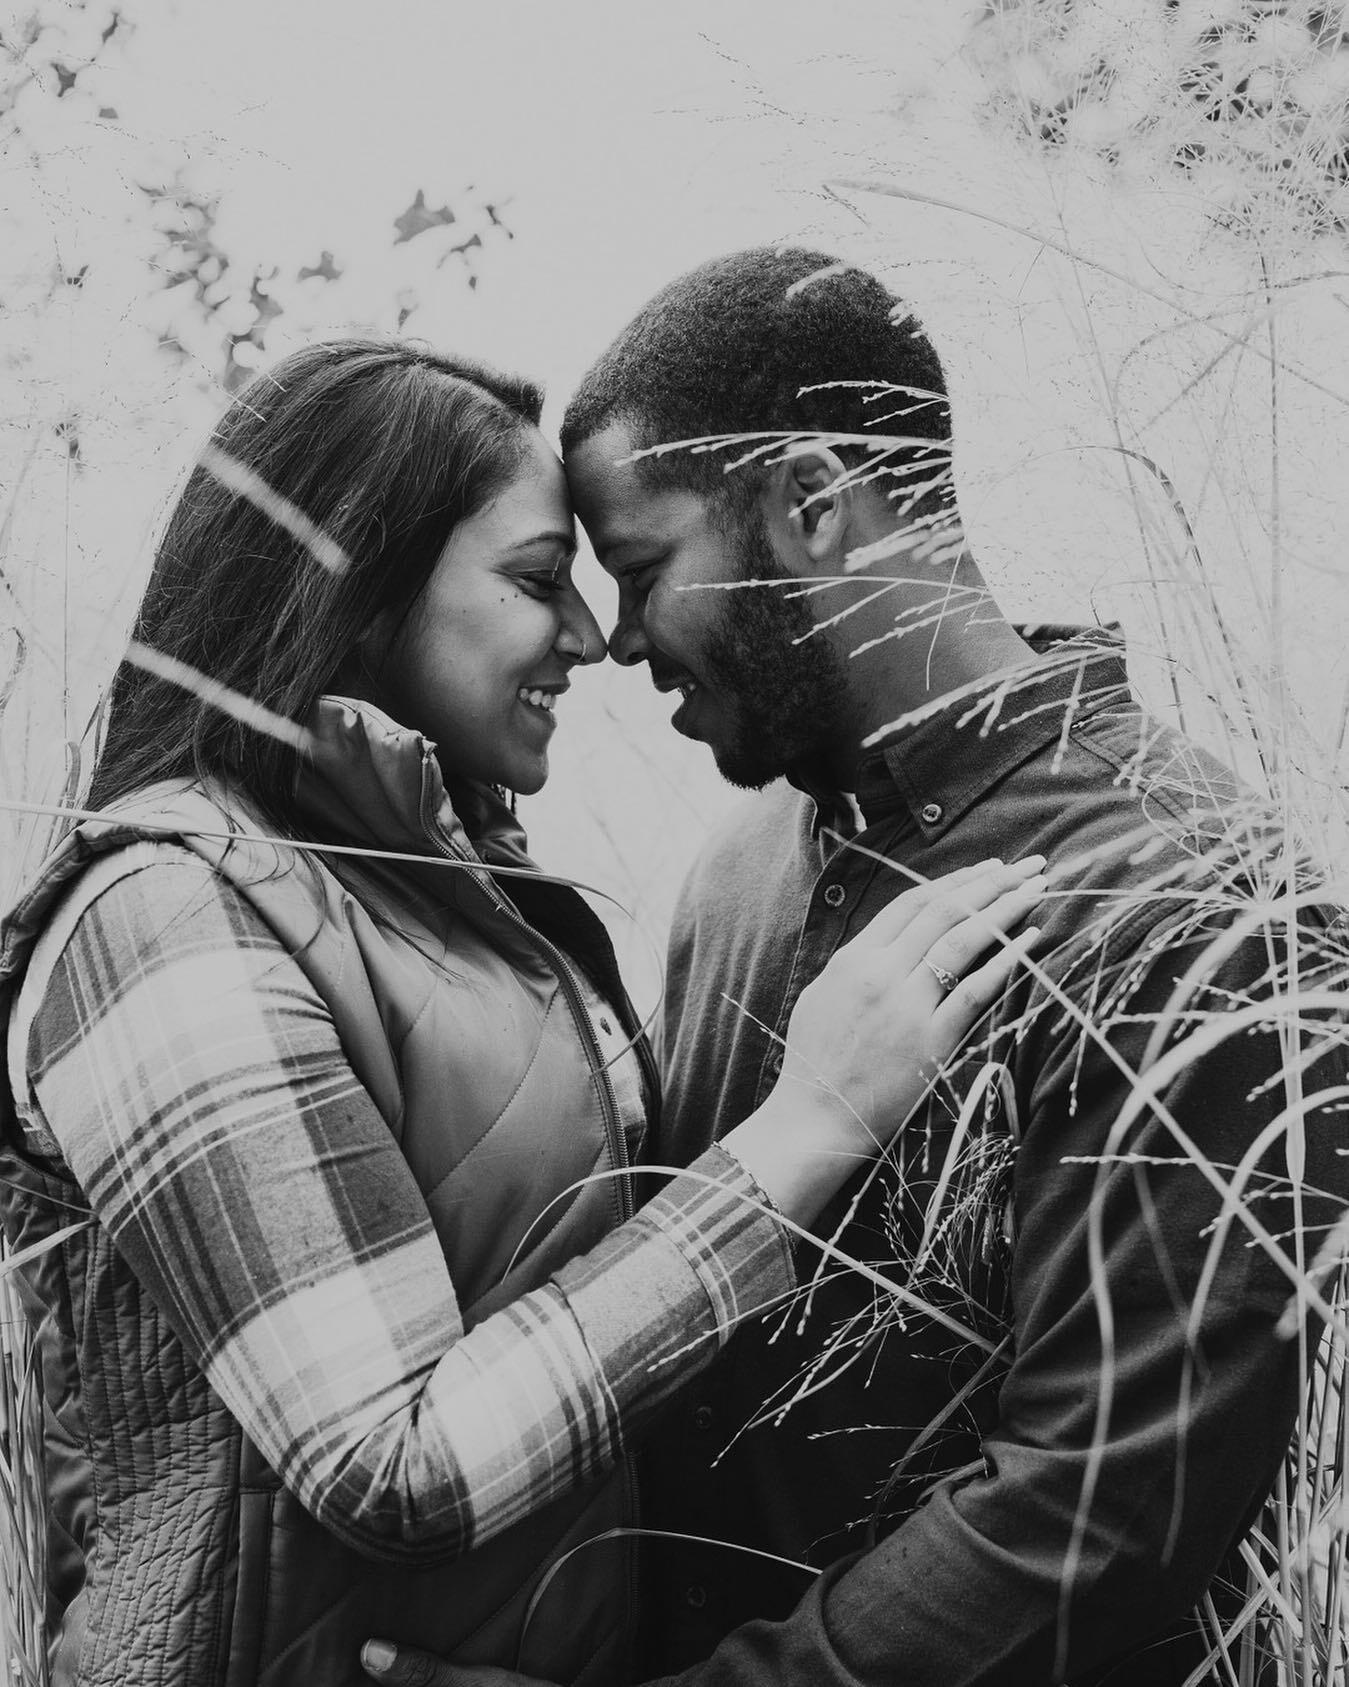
(695, 1596)
(702, 1418)
(775, 1060)
(835, 895)
(932, 813)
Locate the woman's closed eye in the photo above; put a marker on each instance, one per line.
(543, 586)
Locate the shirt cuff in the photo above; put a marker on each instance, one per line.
(731, 1234)
(659, 1297)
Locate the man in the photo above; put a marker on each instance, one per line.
(1020, 1442)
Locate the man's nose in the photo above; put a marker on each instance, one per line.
(628, 643)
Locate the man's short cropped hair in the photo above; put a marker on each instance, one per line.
(765, 341)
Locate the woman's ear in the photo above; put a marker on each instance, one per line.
(359, 673)
(810, 505)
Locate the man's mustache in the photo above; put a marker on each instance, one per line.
(666, 675)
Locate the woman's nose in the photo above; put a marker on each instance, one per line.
(580, 637)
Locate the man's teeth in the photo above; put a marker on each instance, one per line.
(540, 699)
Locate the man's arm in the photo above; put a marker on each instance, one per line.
(1136, 1436)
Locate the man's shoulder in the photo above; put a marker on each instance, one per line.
(1161, 852)
(1155, 761)
(1163, 804)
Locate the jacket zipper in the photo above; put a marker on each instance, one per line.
(621, 1187)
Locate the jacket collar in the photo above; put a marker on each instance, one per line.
(370, 781)
(941, 760)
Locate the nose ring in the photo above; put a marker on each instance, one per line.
(583, 647)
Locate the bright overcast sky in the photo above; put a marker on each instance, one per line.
(630, 140)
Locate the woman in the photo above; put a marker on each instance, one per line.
(346, 1120)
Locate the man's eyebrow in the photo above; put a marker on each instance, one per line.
(614, 553)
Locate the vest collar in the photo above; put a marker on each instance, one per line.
(371, 781)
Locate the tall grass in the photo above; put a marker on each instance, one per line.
(1217, 414)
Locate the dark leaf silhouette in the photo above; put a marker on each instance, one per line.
(419, 217)
(325, 268)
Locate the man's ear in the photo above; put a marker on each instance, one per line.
(809, 507)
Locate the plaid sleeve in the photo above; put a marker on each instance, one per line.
(195, 1083)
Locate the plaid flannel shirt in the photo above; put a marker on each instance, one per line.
(195, 1085)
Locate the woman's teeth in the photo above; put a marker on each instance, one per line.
(540, 699)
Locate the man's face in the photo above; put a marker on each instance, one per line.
(760, 686)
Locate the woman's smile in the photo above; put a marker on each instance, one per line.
(541, 699)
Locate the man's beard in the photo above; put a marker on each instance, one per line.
(782, 680)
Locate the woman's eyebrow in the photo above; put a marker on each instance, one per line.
(547, 541)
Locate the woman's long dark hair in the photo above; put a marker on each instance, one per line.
(330, 487)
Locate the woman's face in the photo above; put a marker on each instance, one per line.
(482, 657)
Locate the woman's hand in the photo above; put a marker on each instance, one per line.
(402, 1666)
(868, 1034)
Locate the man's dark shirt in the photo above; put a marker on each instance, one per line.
(957, 1475)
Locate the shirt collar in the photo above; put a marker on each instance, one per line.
(943, 758)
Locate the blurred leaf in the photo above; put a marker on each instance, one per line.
(325, 268)
(460, 250)
(418, 218)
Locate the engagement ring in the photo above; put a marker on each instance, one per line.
(947, 980)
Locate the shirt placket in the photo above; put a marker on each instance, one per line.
(840, 904)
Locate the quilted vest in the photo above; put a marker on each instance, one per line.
(175, 1554)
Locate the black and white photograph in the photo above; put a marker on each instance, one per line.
(674, 843)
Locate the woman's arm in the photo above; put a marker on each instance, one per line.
(194, 1081)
